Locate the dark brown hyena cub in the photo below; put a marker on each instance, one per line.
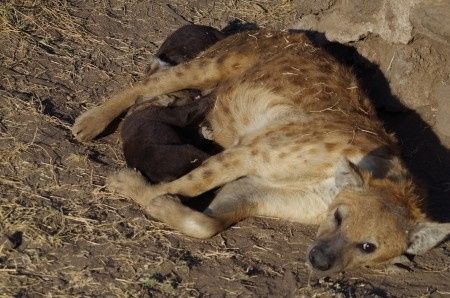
(163, 142)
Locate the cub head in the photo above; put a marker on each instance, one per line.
(371, 222)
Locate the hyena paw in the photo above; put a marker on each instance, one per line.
(128, 183)
(90, 124)
(206, 131)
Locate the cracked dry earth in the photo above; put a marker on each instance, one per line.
(63, 234)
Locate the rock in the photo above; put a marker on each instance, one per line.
(349, 21)
(413, 71)
(442, 95)
(305, 7)
(432, 18)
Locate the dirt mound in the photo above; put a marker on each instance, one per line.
(63, 234)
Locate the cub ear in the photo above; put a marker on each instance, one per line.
(425, 236)
(347, 174)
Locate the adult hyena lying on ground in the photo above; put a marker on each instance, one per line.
(302, 142)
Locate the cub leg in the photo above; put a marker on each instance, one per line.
(202, 73)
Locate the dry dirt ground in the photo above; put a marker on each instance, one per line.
(62, 234)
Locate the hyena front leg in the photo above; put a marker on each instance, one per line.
(202, 73)
(215, 171)
(232, 204)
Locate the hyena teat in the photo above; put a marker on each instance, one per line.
(302, 142)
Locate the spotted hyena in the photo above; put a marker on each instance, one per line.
(301, 142)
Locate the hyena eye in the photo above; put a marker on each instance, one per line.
(338, 217)
(367, 247)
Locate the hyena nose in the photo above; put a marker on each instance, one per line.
(319, 260)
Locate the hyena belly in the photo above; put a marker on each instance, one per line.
(306, 205)
(242, 111)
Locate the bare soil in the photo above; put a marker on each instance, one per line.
(63, 234)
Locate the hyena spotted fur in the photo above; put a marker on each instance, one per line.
(301, 142)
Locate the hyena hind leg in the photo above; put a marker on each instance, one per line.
(202, 73)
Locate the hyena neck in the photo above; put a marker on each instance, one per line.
(383, 165)
(401, 188)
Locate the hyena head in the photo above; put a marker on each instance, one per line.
(371, 222)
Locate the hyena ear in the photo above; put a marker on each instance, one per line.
(347, 174)
(425, 236)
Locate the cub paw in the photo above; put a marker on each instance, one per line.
(90, 124)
